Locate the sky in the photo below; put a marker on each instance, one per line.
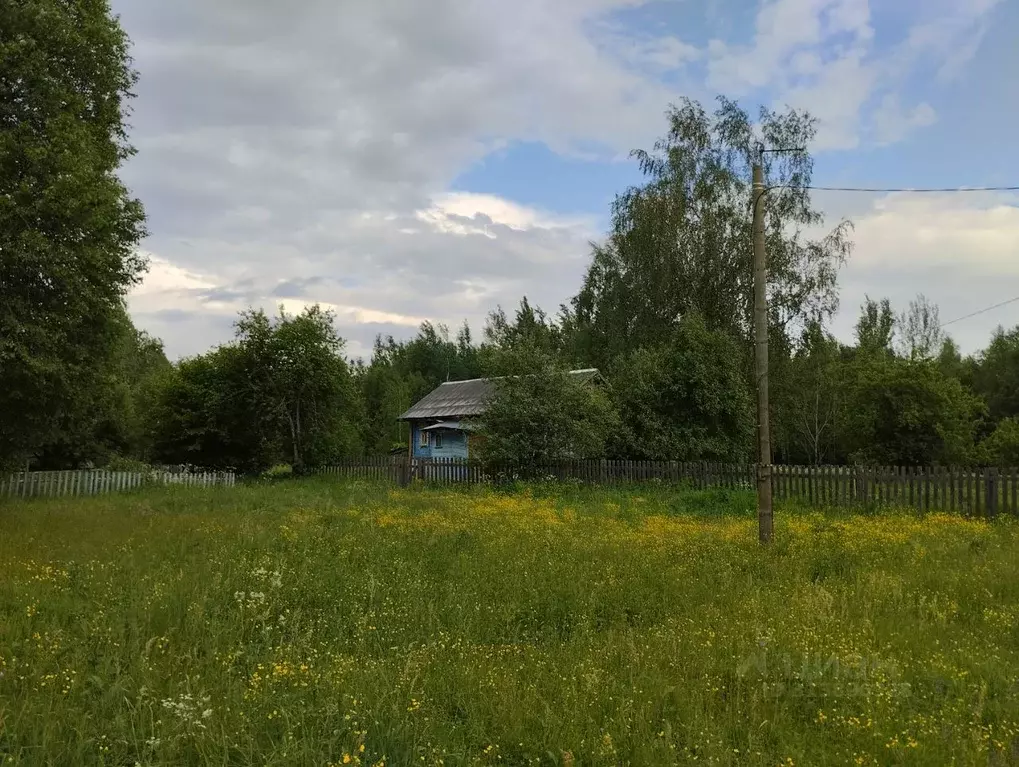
(400, 162)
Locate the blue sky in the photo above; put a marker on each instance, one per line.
(400, 163)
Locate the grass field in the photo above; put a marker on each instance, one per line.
(318, 623)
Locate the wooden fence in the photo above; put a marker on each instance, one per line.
(971, 491)
(56, 484)
(447, 471)
(980, 492)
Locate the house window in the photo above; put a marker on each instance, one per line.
(422, 438)
(438, 440)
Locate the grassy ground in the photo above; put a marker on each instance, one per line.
(315, 623)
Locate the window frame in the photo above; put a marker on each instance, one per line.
(438, 440)
(422, 437)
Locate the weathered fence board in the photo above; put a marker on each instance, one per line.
(981, 492)
(57, 484)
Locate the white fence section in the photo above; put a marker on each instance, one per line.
(55, 484)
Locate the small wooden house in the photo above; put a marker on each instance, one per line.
(441, 422)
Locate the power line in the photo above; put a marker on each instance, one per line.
(980, 311)
(929, 189)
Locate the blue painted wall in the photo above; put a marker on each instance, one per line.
(454, 443)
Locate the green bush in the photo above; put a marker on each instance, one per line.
(279, 471)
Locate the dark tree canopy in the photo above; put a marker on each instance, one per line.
(69, 229)
(543, 417)
(685, 398)
(281, 392)
(996, 377)
(908, 413)
(663, 312)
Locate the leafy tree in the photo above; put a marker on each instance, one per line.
(996, 374)
(529, 341)
(1001, 448)
(952, 364)
(281, 392)
(545, 417)
(203, 415)
(68, 227)
(920, 334)
(432, 357)
(110, 417)
(681, 243)
(875, 330)
(905, 412)
(296, 373)
(684, 399)
(386, 394)
(817, 410)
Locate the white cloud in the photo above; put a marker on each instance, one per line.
(892, 122)
(457, 259)
(304, 152)
(449, 207)
(958, 249)
(975, 232)
(822, 55)
(164, 278)
(836, 98)
(308, 149)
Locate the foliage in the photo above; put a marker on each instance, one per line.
(908, 413)
(110, 418)
(282, 390)
(996, 376)
(875, 330)
(531, 340)
(684, 399)
(816, 412)
(921, 336)
(202, 416)
(133, 465)
(68, 226)
(1001, 448)
(297, 623)
(545, 416)
(296, 375)
(402, 372)
(681, 242)
(279, 471)
(952, 364)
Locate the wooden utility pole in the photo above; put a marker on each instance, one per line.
(765, 518)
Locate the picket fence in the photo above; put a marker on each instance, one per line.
(446, 471)
(55, 484)
(970, 491)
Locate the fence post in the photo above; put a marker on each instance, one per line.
(991, 493)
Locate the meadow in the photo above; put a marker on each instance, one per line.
(317, 622)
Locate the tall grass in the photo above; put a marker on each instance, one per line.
(316, 623)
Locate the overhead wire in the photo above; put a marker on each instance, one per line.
(979, 311)
(938, 190)
(932, 190)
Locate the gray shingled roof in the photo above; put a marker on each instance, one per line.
(466, 398)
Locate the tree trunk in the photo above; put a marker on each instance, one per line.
(296, 430)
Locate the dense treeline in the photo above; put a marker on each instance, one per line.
(663, 312)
